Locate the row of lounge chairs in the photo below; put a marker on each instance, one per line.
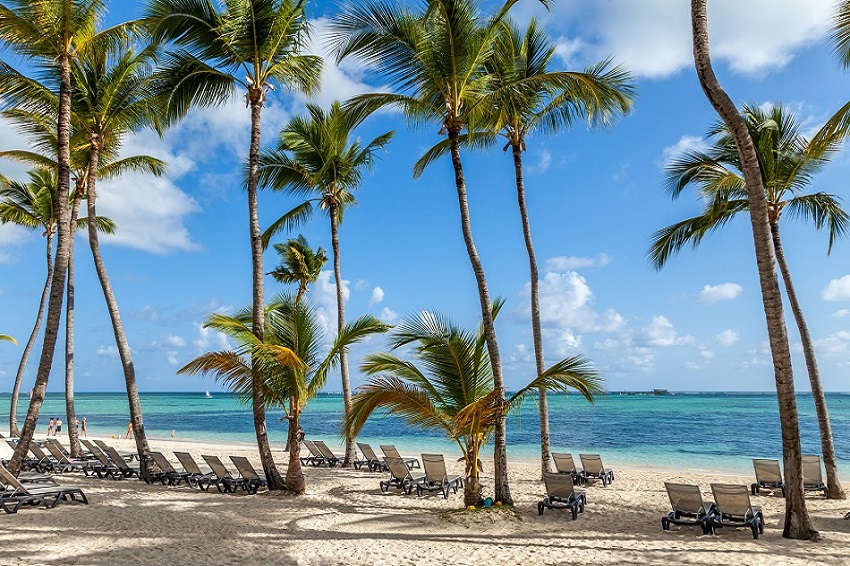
(592, 468)
(769, 476)
(731, 508)
(246, 479)
(33, 488)
(433, 477)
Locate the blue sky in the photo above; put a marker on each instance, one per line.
(595, 198)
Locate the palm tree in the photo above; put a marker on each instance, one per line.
(798, 525)
(316, 156)
(787, 167)
(299, 263)
(437, 59)
(288, 359)
(262, 41)
(452, 389)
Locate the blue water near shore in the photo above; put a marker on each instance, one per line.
(709, 431)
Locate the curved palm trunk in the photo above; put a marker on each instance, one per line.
(543, 403)
(112, 306)
(70, 412)
(340, 324)
(295, 482)
(797, 522)
(827, 446)
(502, 491)
(60, 265)
(258, 401)
(19, 377)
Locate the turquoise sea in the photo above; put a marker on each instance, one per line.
(698, 431)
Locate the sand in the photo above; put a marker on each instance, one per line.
(345, 519)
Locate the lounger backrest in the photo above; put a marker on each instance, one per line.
(685, 497)
(117, 459)
(811, 470)
(732, 499)
(398, 467)
(58, 445)
(559, 485)
(216, 466)
(324, 450)
(55, 452)
(10, 480)
(435, 467)
(245, 468)
(390, 451)
(767, 471)
(311, 446)
(368, 453)
(592, 463)
(564, 463)
(98, 453)
(103, 446)
(38, 452)
(188, 463)
(162, 462)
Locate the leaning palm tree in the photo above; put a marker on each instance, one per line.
(316, 157)
(292, 359)
(216, 45)
(299, 264)
(798, 525)
(787, 167)
(451, 391)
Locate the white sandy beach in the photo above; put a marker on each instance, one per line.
(345, 519)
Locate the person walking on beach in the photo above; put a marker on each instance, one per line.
(50, 427)
(58, 427)
(83, 432)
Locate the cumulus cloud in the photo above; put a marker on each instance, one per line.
(11, 235)
(544, 160)
(388, 315)
(209, 339)
(837, 344)
(837, 290)
(728, 337)
(565, 302)
(842, 313)
(107, 351)
(377, 296)
(171, 357)
(723, 292)
(661, 333)
(686, 144)
(570, 263)
(175, 341)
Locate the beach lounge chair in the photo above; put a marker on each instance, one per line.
(29, 463)
(64, 463)
(223, 479)
(195, 477)
(128, 456)
(18, 494)
(370, 459)
(565, 464)
(592, 468)
(104, 466)
(688, 507)
(436, 476)
(249, 474)
(733, 509)
(127, 470)
(43, 462)
(315, 458)
(329, 457)
(768, 476)
(561, 494)
(390, 451)
(167, 474)
(400, 476)
(812, 475)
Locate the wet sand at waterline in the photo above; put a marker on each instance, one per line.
(345, 519)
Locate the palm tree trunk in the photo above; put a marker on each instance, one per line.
(112, 306)
(835, 491)
(797, 522)
(70, 412)
(502, 491)
(258, 401)
(340, 324)
(19, 377)
(295, 482)
(543, 403)
(60, 265)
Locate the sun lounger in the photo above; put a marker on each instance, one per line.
(565, 464)
(400, 476)
(104, 466)
(592, 468)
(167, 475)
(812, 476)
(249, 474)
(370, 459)
(768, 476)
(128, 456)
(436, 476)
(390, 451)
(329, 457)
(29, 462)
(43, 462)
(733, 509)
(561, 494)
(223, 479)
(18, 494)
(65, 463)
(195, 477)
(688, 507)
(315, 458)
(127, 470)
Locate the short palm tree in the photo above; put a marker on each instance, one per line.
(216, 44)
(299, 264)
(787, 167)
(318, 158)
(451, 389)
(292, 359)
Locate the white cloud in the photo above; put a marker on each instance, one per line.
(12, 235)
(728, 337)
(176, 341)
(837, 344)
(377, 296)
(565, 300)
(661, 333)
(842, 313)
(685, 145)
(388, 315)
(521, 353)
(706, 354)
(569, 263)
(171, 356)
(544, 160)
(837, 290)
(723, 292)
(107, 351)
(209, 339)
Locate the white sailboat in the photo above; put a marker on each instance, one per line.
(208, 395)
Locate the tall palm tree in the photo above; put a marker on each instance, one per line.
(217, 45)
(437, 59)
(787, 167)
(299, 264)
(797, 525)
(289, 359)
(316, 157)
(452, 389)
